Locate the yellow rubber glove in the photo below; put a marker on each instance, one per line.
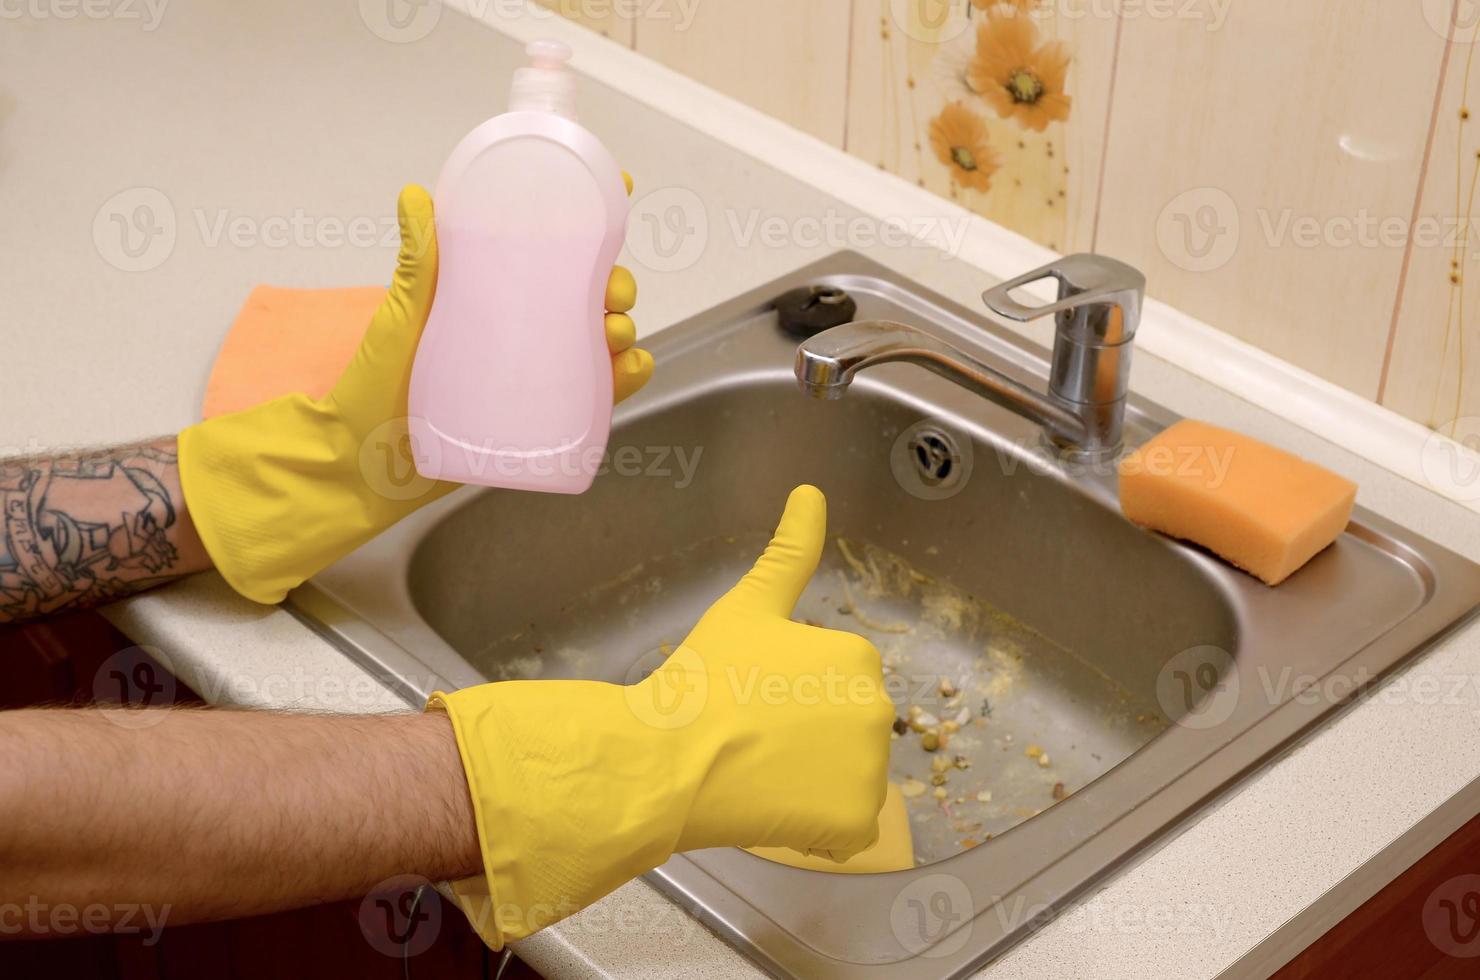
(281, 491)
(756, 731)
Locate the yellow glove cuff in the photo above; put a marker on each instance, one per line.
(573, 797)
(281, 491)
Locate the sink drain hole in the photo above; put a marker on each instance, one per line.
(935, 456)
(931, 460)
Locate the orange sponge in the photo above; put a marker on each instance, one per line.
(286, 341)
(1260, 508)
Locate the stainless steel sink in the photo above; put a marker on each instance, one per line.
(1107, 681)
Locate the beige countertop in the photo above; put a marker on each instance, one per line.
(238, 144)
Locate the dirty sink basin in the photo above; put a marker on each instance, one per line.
(1106, 681)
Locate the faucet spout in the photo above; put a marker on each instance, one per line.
(827, 364)
(1096, 315)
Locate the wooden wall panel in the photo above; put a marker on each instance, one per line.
(1243, 157)
(1434, 372)
(786, 58)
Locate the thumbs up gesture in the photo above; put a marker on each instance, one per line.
(756, 731)
(794, 719)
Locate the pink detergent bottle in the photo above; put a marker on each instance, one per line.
(512, 384)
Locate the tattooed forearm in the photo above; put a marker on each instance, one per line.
(86, 528)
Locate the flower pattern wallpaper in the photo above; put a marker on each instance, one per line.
(975, 102)
(1011, 72)
(1245, 154)
(1007, 71)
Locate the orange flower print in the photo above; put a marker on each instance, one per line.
(959, 138)
(1018, 77)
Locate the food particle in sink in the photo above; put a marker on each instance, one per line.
(851, 608)
(920, 719)
(1059, 792)
(962, 667)
(969, 842)
(851, 559)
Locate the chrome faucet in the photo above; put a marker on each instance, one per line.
(1096, 315)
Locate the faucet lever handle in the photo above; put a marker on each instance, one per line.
(1095, 318)
(1084, 280)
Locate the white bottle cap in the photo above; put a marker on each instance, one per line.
(546, 85)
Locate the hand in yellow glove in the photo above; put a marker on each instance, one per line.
(280, 491)
(756, 731)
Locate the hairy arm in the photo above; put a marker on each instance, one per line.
(209, 814)
(84, 529)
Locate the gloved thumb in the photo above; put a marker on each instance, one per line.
(373, 388)
(415, 283)
(776, 581)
